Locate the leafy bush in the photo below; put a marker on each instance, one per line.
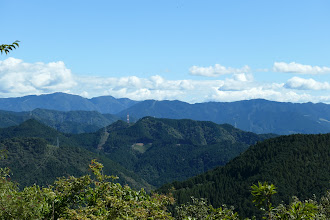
(98, 197)
(81, 198)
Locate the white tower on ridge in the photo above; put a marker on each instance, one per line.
(127, 118)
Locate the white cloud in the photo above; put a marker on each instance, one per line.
(216, 70)
(239, 81)
(280, 95)
(155, 87)
(19, 78)
(242, 77)
(306, 84)
(299, 68)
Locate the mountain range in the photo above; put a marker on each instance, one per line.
(64, 121)
(258, 116)
(65, 102)
(155, 150)
(163, 150)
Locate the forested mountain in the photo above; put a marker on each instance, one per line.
(258, 116)
(34, 128)
(67, 122)
(154, 151)
(111, 105)
(33, 156)
(8, 118)
(65, 102)
(296, 164)
(157, 150)
(163, 150)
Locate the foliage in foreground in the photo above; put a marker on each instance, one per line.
(98, 197)
(262, 193)
(308, 209)
(8, 47)
(297, 164)
(80, 198)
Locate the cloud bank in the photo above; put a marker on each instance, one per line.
(216, 70)
(18, 78)
(299, 68)
(306, 84)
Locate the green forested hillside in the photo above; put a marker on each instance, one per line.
(98, 197)
(34, 128)
(157, 150)
(34, 161)
(297, 165)
(34, 157)
(67, 122)
(163, 150)
(73, 121)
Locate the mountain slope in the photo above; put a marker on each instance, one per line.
(156, 150)
(34, 128)
(67, 122)
(109, 104)
(8, 118)
(73, 121)
(163, 150)
(56, 101)
(34, 158)
(297, 165)
(258, 116)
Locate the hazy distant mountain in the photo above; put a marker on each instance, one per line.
(109, 104)
(65, 102)
(64, 121)
(8, 118)
(258, 116)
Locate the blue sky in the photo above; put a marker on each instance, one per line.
(194, 51)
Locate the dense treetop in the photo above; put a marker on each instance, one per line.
(297, 164)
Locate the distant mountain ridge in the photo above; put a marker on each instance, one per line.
(258, 116)
(65, 102)
(64, 121)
